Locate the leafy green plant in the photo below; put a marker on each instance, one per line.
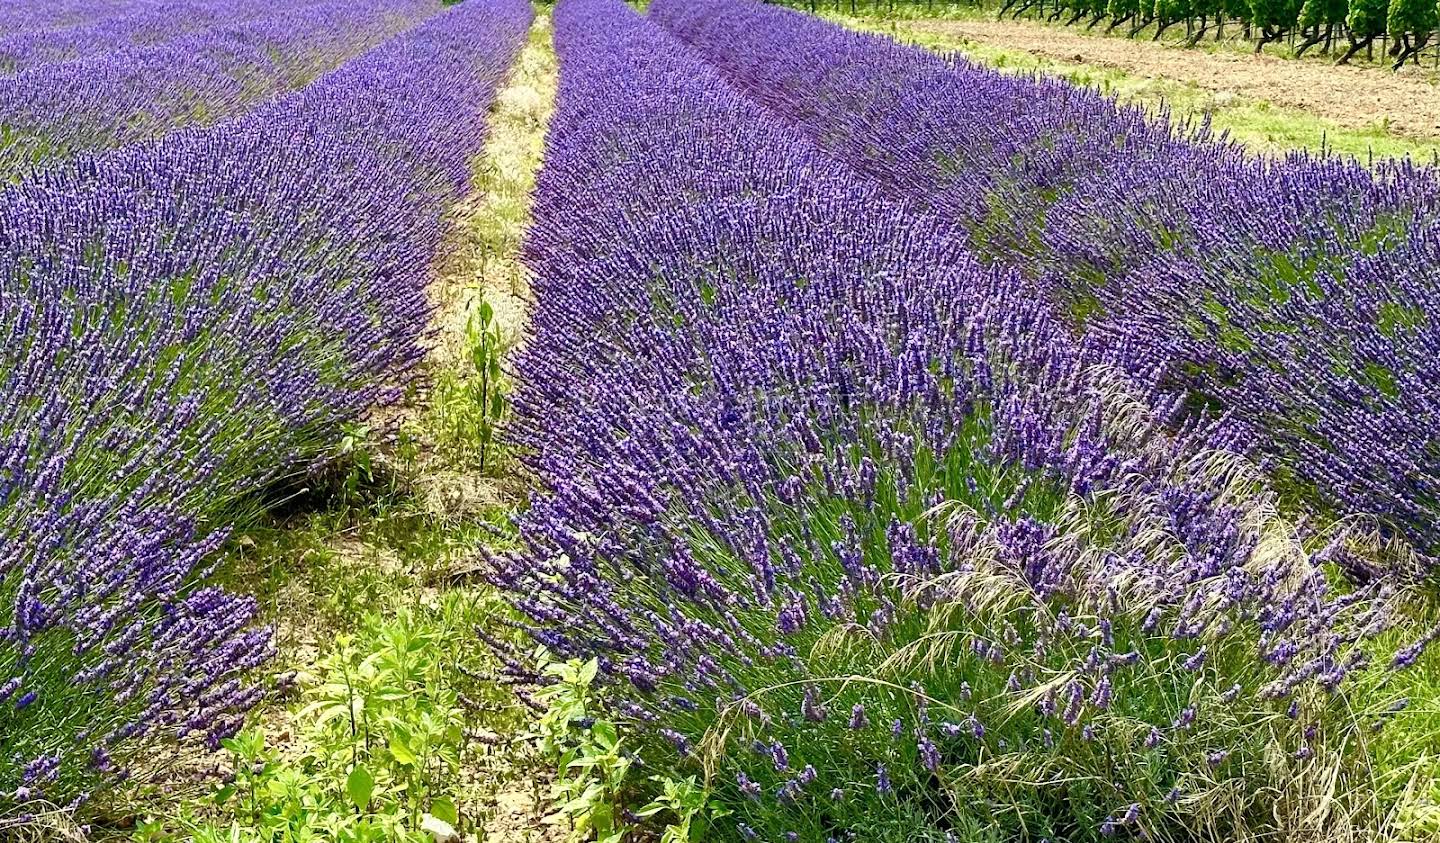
(357, 458)
(389, 706)
(591, 784)
(470, 402)
(470, 406)
(487, 347)
(591, 765)
(689, 802)
(379, 762)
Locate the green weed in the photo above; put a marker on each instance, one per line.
(594, 762)
(470, 405)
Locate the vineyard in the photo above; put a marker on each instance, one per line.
(496, 421)
(1400, 30)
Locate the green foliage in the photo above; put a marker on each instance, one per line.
(380, 757)
(1123, 9)
(470, 407)
(1274, 14)
(356, 459)
(1323, 12)
(1366, 18)
(1411, 16)
(593, 766)
(1172, 10)
(689, 803)
(590, 777)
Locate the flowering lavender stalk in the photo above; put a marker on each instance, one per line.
(182, 323)
(1298, 295)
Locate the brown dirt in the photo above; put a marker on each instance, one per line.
(1407, 102)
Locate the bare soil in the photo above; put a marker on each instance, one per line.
(1406, 103)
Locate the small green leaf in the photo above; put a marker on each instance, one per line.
(360, 785)
(605, 734)
(400, 747)
(444, 808)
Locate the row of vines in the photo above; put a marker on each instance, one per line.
(1400, 29)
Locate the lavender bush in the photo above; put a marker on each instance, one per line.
(184, 322)
(1298, 295)
(134, 93)
(854, 525)
(29, 17)
(136, 23)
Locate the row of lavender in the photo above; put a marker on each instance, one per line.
(855, 526)
(133, 93)
(181, 323)
(29, 17)
(1301, 296)
(138, 23)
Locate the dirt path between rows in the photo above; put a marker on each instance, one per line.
(1407, 103)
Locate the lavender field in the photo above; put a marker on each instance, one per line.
(692, 420)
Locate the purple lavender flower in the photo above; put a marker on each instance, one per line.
(779, 757)
(1076, 704)
(811, 708)
(929, 754)
(680, 742)
(1100, 698)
